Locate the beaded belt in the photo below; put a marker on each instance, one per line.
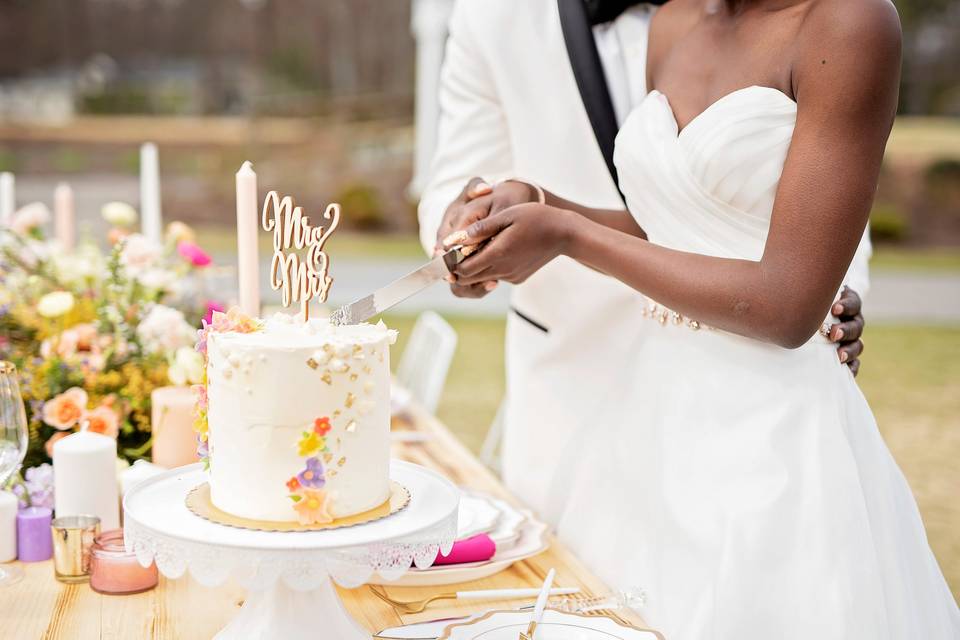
(663, 315)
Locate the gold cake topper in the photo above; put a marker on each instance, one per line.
(299, 279)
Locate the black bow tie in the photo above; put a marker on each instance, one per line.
(600, 11)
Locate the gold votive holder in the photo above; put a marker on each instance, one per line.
(73, 538)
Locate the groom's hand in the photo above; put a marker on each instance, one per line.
(476, 201)
(847, 332)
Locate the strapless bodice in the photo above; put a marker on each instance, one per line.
(709, 188)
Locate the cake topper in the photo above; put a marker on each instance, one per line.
(299, 279)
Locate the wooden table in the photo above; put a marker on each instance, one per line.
(41, 607)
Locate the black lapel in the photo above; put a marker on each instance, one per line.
(585, 61)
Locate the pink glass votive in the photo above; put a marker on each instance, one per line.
(116, 571)
(34, 540)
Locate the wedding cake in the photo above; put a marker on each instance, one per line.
(297, 417)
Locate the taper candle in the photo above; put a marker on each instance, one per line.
(174, 440)
(34, 541)
(8, 198)
(64, 216)
(8, 526)
(248, 222)
(85, 477)
(151, 224)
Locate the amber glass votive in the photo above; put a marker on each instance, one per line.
(116, 571)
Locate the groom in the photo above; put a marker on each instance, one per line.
(537, 90)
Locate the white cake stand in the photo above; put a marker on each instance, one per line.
(288, 574)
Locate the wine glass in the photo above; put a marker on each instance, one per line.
(13, 442)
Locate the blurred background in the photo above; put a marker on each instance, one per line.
(335, 100)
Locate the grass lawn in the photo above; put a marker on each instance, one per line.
(910, 375)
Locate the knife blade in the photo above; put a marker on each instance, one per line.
(399, 290)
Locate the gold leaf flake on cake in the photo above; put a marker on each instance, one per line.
(367, 370)
(339, 366)
(327, 457)
(350, 399)
(336, 413)
(354, 377)
(351, 426)
(326, 377)
(357, 349)
(312, 363)
(342, 461)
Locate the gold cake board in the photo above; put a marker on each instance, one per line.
(199, 503)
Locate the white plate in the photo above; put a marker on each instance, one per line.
(532, 541)
(477, 515)
(507, 625)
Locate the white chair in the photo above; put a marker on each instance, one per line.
(426, 359)
(490, 449)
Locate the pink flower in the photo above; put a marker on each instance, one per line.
(313, 507)
(66, 409)
(212, 306)
(192, 253)
(78, 342)
(103, 420)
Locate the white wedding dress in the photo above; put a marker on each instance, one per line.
(744, 486)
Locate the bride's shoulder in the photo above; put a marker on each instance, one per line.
(852, 23)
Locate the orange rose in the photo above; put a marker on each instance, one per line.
(66, 409)
(103, 420)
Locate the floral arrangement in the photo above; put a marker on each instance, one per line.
(94, 331)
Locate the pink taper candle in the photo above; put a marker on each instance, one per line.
(248, 222)
(64, 216)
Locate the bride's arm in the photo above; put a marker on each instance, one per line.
(846, 86)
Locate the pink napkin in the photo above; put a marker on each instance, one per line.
(476, 549)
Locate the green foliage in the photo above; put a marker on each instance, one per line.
(888, 224)
(9, 161)
(362, 207)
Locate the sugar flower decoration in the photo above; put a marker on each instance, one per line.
(321, 426)
(293, 484)
(312, 476)
(65, 410)
(309, 444)
(313, 507)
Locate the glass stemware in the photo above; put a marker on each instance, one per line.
(13, 442)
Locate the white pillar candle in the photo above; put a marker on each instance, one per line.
(8, 198)
(64, 216)
(248, 222)
(8, 526)
(85, 477)
(174, 440)
(151, 224)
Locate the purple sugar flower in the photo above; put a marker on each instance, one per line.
(312, 476)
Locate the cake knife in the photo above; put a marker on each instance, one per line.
(399, 290)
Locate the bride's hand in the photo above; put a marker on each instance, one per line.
(519, 241)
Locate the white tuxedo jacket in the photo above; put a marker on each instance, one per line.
(510, 106)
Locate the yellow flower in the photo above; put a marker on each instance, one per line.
(310, 443)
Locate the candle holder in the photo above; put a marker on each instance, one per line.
(73, 538)
(116, 571)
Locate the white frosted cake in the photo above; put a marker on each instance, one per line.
(297, 418)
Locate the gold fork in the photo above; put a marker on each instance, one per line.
(418, 606)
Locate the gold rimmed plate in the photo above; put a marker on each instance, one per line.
(556, 625)
(199, 503)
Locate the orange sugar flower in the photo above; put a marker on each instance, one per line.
(293, 484)
(313, 507)
(321, 426)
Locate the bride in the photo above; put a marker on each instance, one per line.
(739, 475)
